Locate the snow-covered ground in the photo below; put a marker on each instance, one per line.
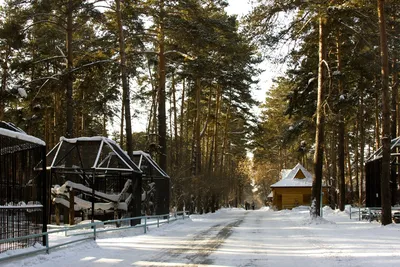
(236, 237)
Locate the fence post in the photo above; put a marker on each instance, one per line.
(94, 231)
(359, 214)
(47, 242)
(145, 224)
(158, 221)
(350, 212)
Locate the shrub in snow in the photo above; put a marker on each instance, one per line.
(316, 221)
(313, 208)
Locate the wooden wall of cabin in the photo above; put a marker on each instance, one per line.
(289, 197)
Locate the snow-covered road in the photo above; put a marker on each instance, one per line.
(236, 237)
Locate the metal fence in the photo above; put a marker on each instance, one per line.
(20, 221)
(88, 231)
(373, 213)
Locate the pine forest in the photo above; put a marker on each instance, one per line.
(176, 79)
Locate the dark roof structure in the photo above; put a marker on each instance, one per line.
(23, 194)
(149, 167)
(100, 174)
(395, 143)
(13, 139)
(90, 153)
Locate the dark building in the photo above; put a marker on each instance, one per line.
(93, 177)
(156, 185)
(373, 167)
(22, 187)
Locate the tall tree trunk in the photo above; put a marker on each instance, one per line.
(125, 83)
(395, 92)
(341, 130)
(349, 172)
(214, 157)
(386, 217)
(153, 113)
(319, 133)
(225, 136)
(334, 181)
(182, 120)
(175, 127)
(361, 149)
(206, 141)
(197, 128)
(121, 137)
(70, 77)
(152, 126)
(162, 120)
(377, 123)
(356, 157)
(170, 156)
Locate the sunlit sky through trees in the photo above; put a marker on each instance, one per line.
(241, 8)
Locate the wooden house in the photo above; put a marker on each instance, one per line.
(294, 189)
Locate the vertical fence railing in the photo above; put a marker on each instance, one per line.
(373, 213)
(18, 221)
(90, 231)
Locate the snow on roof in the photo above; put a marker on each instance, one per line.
(86, 139)
(99, 159)
(296, 177)
(22, 136)
(285, 172)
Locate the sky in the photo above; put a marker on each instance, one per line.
(239, 7)
(270, 71)
(234, 237)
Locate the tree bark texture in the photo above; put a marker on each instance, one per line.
(70, 101)
(341, 131)
(162, 119)
(125, 82)
(319, 133)
(385, 175)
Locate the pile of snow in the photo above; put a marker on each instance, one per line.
(316, 221)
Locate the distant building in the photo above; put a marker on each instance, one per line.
(294, 189)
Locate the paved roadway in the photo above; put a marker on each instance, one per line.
(235, 238)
